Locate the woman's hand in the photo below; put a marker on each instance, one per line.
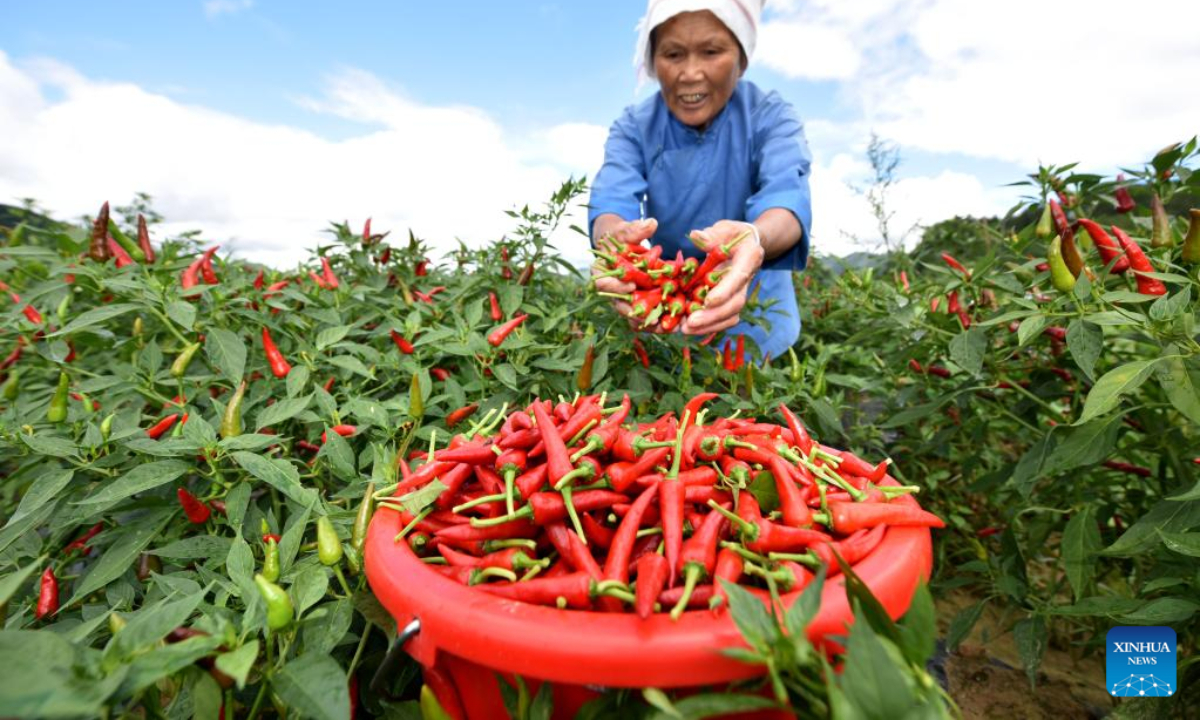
(723, 306)
(635, 231)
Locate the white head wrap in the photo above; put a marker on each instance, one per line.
(740, 16)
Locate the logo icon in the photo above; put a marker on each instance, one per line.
(1140, 661)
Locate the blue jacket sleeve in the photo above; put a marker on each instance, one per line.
(782, 162)
(621, 181)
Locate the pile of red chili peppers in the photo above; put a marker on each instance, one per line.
(566, 504)
(667, 291)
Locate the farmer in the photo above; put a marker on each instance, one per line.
(710, 156)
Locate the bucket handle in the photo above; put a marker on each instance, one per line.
(393, 656)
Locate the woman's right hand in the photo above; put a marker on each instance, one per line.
(622, 231)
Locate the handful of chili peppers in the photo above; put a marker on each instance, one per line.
(667, 291)
(567, 504)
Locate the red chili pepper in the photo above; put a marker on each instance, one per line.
(653, 572)
(640, 351)
(571, 547)
(903, 280)
(80, 543)
(727, 356)
(144, 239)
(422, 268)
(279, 365)
(498, 335)
(573, 590)
(206, 266)
(162, 426)
(1139, 264)
(616, 564)
(597, 532)
(955, 264)
(497, 314)
(404, 345)
(119, 253)
(307, 446)
(196, 511)
(343, 430)
(461, 414)
(845, 518)
(729, 567)
(1124, 200)
(800, 436)
(331, 280)
(1128, 468)
(699, 557)
(557, 457)
(1107, 247)
(32, 314)
(47, 603)
(440, 373)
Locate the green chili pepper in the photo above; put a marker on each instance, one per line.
(1060, 274)
(180, 366)
(106, 426)
(270, 568)
(1191, 243)
(138, 327)
(123, 240)
(358, 535)
(231, 421)
(280, 610)
(12, 387)
(1160, 234)
(416, 403)
(431, 709)
(1045, 225)
(58, 404)
(63, 306)
(329, 547)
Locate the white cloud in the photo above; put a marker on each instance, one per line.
(268, 191)
(215, 8)
(1096, 81)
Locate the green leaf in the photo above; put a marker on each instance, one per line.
(1166, 516)
(45, 683)
(1030, 637)
(711, 705)
(506, 374)
(309, 587)
(297, 380)
(141, 478)
(1177, 384)
(315, 685)
(1080, 543)
(150, 625)
(659, 699)
(1031, 328)
(351, 363)
(757, 627)
(95, 316)
(11, 582)
(1006, 318)
(368, 412)
(226, 352)
(1107, 392)
(1029, 467)
(250, 441)
(1182, 543)
(1163, 611)
(279, 474)
(873, 683)
(133, 538)
(417, 500)
(58, 447)
(198, 546)
(43, 490)
(962, 624)
(332, 335)
(341, 458)
(968, 348)
(282, 410)
(1168, 306)
(918, 628)
(238, 663)
(239, 563)
(335, 619)
(182, 314)
(1085, 340)
(1098, 606)
(1081, 445)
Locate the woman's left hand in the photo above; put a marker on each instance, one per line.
(723, 306)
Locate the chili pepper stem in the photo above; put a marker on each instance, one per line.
(749, 529)
(482, 500)
(413, 523)
(337, 570)
(803, 558)
(690, 578)
(567, 492)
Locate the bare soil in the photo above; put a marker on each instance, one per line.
(987, 680)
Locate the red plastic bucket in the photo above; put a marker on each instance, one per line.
(471, 635)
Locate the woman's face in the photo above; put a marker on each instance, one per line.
(698, 62)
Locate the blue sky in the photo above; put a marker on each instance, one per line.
(442, 115)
